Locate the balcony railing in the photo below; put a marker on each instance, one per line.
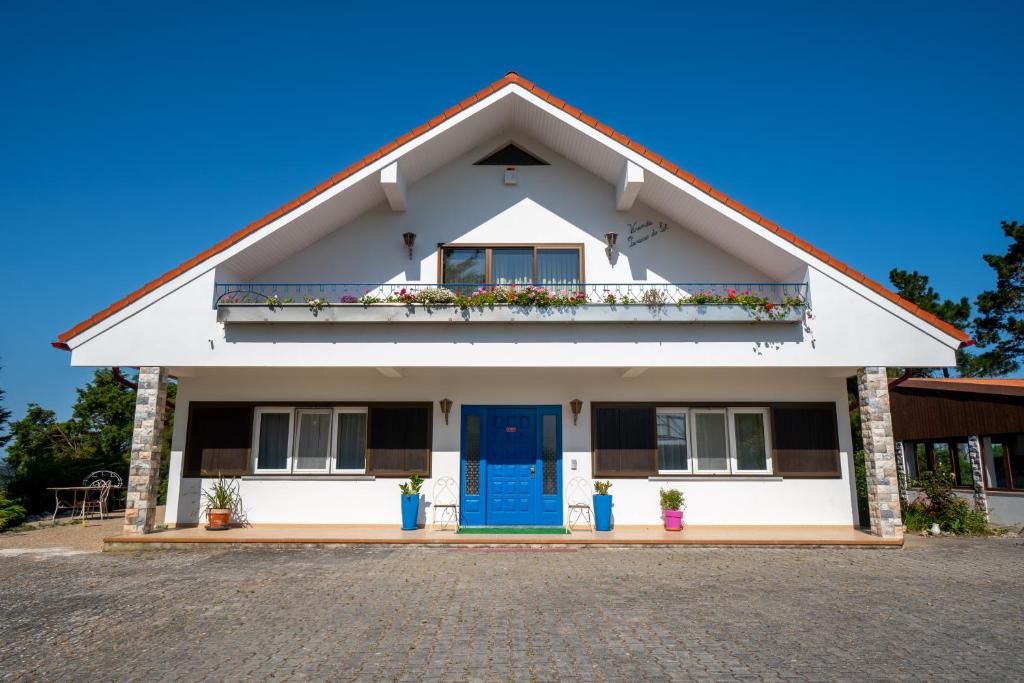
(488, 302)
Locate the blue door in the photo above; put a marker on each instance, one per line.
(511, 465)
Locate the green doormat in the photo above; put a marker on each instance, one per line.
(512, 530)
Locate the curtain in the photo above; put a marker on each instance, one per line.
(558, 267)
(351, 441)
(512, 266)
(750, 446)
(712, 444)
(314, 440)
(273, 453)
(671, 441)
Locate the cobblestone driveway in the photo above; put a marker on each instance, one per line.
(937, 609)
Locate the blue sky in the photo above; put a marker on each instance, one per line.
(134, 135)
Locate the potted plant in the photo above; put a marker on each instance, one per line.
(672, 505)
(219, 502)
(602, 506)
(411, 502)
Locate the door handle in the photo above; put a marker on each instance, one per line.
(533, 470)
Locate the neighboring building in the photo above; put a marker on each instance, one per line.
(319, 410)
(935, 421)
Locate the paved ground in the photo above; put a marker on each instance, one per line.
(939, 609)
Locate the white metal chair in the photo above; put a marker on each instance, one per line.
(580, 503)
(445, 498)
(103, 481)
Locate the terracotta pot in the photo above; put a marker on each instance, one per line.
(218, 519)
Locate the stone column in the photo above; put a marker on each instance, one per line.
(147, 443)
(901, 472)
(980, 496)
(880, 465)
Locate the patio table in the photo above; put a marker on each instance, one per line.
(79, 497)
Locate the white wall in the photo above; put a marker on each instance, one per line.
(790, 501)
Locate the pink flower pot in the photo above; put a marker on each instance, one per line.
(673, 519)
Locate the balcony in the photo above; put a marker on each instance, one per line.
(340, 303)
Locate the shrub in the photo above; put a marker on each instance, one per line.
(601, 487)
(672, 499)
(11, 513)
(942, 506)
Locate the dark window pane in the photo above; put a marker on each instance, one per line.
(472, 483)
(1017, 468)
(964, 473)
(672, 441)
(943, 459)
(351, 453)
(399, 440)
(549, 455)
(624, 441)
(558, 267)
(999, 462)
(751, 450)
(712, 444)
(273, 446)
(464, 265)
(919, 461)
(806, 440)
(218, 437)
(512, 266)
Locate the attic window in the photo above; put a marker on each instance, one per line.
(511, 155)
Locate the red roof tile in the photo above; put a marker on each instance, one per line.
(509, 79)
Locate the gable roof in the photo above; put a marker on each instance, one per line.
(511, 78)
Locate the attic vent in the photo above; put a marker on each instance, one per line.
(510, 155)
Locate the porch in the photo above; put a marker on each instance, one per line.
(699, 535)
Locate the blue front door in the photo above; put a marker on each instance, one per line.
(511, 465)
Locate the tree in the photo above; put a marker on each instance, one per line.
(46, 452)
(1000, 324)
(5, 417)
(914, 287)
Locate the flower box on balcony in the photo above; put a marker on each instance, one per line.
(501, 313)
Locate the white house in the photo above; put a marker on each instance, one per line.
(690, 342)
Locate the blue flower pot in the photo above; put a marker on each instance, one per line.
(602, 512)
(410, 511)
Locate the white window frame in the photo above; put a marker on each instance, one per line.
(335, 422)
(685, 412)
(733, 441)
(328, 456)
(695, 451)
(258, 418)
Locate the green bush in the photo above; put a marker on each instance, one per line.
(11, 514)
(942, 506)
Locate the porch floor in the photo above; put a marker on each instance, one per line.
(388, 535)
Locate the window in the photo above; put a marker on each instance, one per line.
(399, 440)
(950, 457)
(806, 440)
(672, 448)
(998, 479)
(711, 441)
(384, 440)
(624, 441)
(350, 440)
(273, 439)
(218, 440)
(750, 440)
(641, 441)
(546, 265)
(964, 471)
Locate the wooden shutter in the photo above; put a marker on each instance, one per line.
(398, 442)
(806, 443)
(625, 442)
(218, 440)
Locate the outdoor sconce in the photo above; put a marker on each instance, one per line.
(410, 239)
(446, 408)
(576, 405)
(610, 238)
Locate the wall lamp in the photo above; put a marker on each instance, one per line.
(446, 408)
(611, 238)
(410, 239)
(576, 406)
